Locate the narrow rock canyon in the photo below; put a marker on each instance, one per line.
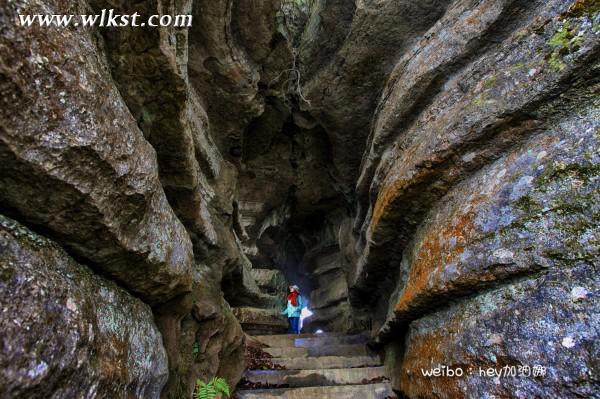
(427, 172)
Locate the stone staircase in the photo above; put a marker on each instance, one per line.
(317, 366)
(264, 315)
(261, 321)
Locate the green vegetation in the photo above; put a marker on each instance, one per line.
(528, 205)
(561, 38)
(491, 82)
(563, 42)
(217, 387)
(478, 101)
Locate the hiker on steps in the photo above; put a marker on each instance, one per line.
(295, 304)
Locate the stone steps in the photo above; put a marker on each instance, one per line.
(311, 340)
(327, 350)
(260, 321)
(302, 335)
(318, 366)
(368, 391)
(327, 362)
(317, 377)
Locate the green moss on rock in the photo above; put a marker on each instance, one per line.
(559, 170)
(565, 40)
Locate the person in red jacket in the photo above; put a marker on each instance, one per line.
(294, 307)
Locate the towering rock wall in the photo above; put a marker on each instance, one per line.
(475, 231)
(106, 147)
(511, 252)
(344, 88)
(76, 162)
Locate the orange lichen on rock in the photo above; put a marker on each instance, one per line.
(436, 251)
(428, 356)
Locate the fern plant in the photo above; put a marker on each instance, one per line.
(211, 390)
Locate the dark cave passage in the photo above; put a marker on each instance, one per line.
(290, 209)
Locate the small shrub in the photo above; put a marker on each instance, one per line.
(214, 388)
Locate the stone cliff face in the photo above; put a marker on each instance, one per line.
(427, 171)
(476, 229)
(68, 332)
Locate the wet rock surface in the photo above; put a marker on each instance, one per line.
(129, 182)
(538, 211)
(202, 338)
(454, 198)
(486, 273)
(66, 332)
